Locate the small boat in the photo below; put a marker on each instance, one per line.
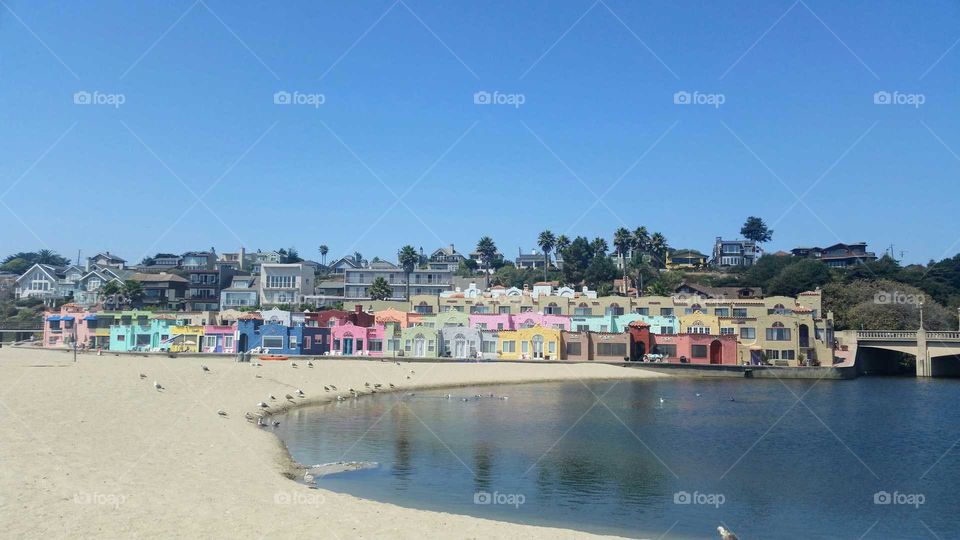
(274, 357)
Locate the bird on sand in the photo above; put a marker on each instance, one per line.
(260, 422)
(378, 385)
(258, 376)
(299, 392)
(366, 384)
(276, 423)
(339, 398)
(157, 385)
(293, 364)
(726, 534)
(327, 388)
(248, 416)
(262, 405)
(272, 397)
(309, 364)
(222, 412)
(142, 376)
(392, 385)
(289, 397)
(332, 387)
(205, 368)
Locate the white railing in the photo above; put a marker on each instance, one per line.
(901, 335)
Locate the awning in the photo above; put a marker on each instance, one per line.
(54, 318)
(67, 318)
(90, 318)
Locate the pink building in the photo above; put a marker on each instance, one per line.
(60, 328)
(490, 321)
(352, 340)
(218, 339)
(528, 320)
(696, 348)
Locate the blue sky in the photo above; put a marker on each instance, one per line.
(398, 119)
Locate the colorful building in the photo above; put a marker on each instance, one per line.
(420, 341)
(352, 340)
(535, 342)
(274, 338)
(219, 339)
(696, 348)
(185, 338)
(460, 342)
(137, 330)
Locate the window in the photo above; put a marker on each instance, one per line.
(526, 309)
(272, 342)
(772, 354)
(748, 333)
(210, 342)
(481, 325)
(573, 348)
(788, 354)
(670, 351)
(280, 282)
(778, 333)
(228, 342)
(666, 329)
(722, 312)
(552, 347)
(293, 342)
(359, 344)
(583, 310)
(552, 309)
(727, 331)
(488, 346)
(666, 312)
(614, 309)
(121, 338)
(499, 326)
(375, 345)
(612, 349)
(740, 312)
(642, 311)
(698, 351)
(509, 346)
(583, 328)
(524, 346)
(503, 310)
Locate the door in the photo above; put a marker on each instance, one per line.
(756, 358)
(716, 353)
(243, 343)
(460, 347)
(347, 346)
(419, 346)
(538, 346)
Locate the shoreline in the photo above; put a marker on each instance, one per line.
(105, 454)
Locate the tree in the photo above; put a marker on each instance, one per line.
(357, 256)
(562, 243)
(599, 246)
(487, 250)
(546, 241)
(110, 294)
(323, 253)
(643, 271)
(600, 272)
(659, 289)
(380, 289)
(132, 291)
(755, 229)
(21, 261)
(408, 259)
(622, 242)
(641, 239)
(576, 258)
(804, 275)
(658, 247)
(17, 265)
(290, 256)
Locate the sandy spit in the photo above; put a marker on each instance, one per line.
(91, 450)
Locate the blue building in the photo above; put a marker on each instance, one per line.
(276, 338)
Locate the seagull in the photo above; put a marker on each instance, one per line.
(299, 392)
(260, 422)
(726, 534)
(662, 400)
(698, 394)
(504, 398)
(272, 397)
(412, 371)
(157, 385)
(464, 399)
(262, 405)
(332, 387)
(258, 376)
(366, 384)
(398, 363)
(408, 377)
(377, 385)
(248, 416)
(449, 396)
(222, 412)
(339, 398)
(732, 399)
(289, 397)
(352, 391)
(327, 388)
(142, 376)
(309, 364)
(276, 423)
(205, 368)
(294, 364)
(392, 385)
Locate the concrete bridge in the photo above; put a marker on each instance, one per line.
(12, 331)
(925, 345)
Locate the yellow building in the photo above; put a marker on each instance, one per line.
(186, 339)
(699, 322)
(685, 259)
(535, 342)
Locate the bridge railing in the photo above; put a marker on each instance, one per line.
(886, 334)
(943, 335)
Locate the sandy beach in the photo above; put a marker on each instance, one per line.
(89, 449)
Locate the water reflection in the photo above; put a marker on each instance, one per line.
(618, 466)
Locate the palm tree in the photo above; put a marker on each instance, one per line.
(408, 259)
(487, 250)
(133, 291)
(641, 239)
(546, 241)
(658, 244)
(599, 246)
(622, 240)
(561, 245)
(323, 253)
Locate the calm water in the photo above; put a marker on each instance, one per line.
(574, 463)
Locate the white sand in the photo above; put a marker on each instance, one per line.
(91, 450)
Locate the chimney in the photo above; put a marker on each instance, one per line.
(451, 249)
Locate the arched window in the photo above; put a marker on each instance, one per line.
(552, 309)
(537, 346)
(777, 332)
(614, 309)
(583, 309)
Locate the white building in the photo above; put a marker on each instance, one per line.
(285, 283)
